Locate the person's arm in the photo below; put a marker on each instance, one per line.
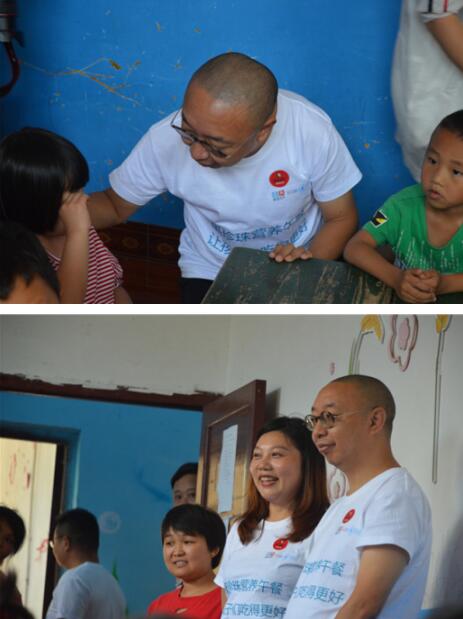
(340, 222)
(380, 567)
(224, 598)
(108, 209)
(450, 283)
(121, 295)
(412, 285)
(448, 32)
(73, 270)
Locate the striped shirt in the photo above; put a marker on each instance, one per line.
(104, 270)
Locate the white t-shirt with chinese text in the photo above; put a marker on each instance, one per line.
(389, 509)
(266, 199)
(259, 577)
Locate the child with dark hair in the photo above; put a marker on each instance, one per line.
(183, 483)
(42, 176)
(26, 275)
(422, 224)
(12, 534)
(193, 539)
(287, 497)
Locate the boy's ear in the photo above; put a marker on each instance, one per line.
(215, 552)
(66, 543)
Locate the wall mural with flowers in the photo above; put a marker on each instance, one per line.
(400, 334)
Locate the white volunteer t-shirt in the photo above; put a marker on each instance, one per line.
(389, 509)
(259, 577)
(266, 199)
(88, 591)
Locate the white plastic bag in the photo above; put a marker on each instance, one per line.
(426, 84)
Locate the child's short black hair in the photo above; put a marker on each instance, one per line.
(453, 123)
(16, 523)
(189, 468)
(22, 255)
(200, 521)
(81, 527)
(36, 168)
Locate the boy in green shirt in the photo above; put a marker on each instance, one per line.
(423, 225)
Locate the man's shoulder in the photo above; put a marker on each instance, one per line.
(159, 135)
(90, 572)
(397, 485)
(297, 105)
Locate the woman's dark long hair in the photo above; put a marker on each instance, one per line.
(311, 501)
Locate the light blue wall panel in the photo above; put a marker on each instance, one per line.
(122, 457)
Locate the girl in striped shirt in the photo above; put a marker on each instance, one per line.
(42, 176)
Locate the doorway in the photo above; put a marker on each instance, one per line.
(31, 475)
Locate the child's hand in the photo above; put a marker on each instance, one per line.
(431, 279)
(288, 253)
(417, 286)
(74, 214)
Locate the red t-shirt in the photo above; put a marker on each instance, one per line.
(206, 606)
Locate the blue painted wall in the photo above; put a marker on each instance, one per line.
(121, 461)
(102, 72)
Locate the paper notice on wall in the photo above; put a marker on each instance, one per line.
(227, 469)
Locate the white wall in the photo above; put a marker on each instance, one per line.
(296, 355)
(165, 354)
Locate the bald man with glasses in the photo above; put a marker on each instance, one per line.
(256, 167)
(369, 555)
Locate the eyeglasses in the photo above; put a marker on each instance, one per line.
(51, 543)
(326, 419)
(190, 138)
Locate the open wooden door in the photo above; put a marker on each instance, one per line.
(228, 433)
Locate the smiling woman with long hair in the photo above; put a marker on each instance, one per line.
(265, 550)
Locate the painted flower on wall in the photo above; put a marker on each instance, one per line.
(442, 324)
(370, 324)
(404, 331)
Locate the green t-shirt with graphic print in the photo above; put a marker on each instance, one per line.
(401, 222)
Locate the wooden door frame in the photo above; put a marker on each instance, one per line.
(221, 412)
(121, 394)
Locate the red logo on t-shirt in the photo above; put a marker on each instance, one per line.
(280, 543)
(349, 515)
(279, 178)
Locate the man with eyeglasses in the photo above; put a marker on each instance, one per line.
(369, 555)
(86, 590)
(255, 166)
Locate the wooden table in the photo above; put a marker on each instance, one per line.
(250, 276)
